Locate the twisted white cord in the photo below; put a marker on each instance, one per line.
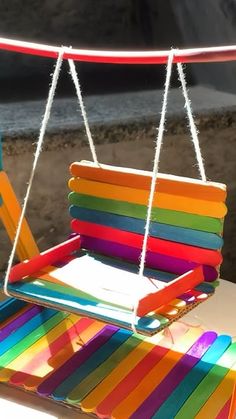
(41, 136)
(159, 141)
(75, 79)
(192, 126)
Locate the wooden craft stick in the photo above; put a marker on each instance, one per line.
(232, 410)
(50, 384)
(49, 257)
(170, 291)
(176, 388)
(163, 231)
(51, 327)
(224, 413)
(19, 320)
(20, 346)
(99, 374)
(138, 196)
(86, 331)
(129, 382)
(166, 247)
(94, 361)
(220, 397)
(147, 347)
(153, 260)
(164, 216)
(165, 183)
(52, 343)
(150, 381)
(209, 384)
(14, 211)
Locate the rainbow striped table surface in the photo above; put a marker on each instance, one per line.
(111, 372)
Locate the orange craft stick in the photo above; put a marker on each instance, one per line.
(46, 258)
(177, 287)
(177, 185)
(232, 410)
(10, 215)
(139, 196)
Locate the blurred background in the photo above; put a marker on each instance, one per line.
(123, 102)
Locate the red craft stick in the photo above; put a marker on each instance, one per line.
(177, 287)
(49, 257)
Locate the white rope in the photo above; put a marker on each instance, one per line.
(75, 79)
(41, 136)
(192, 126)
(159, 141)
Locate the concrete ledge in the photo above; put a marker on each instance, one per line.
(23, 118)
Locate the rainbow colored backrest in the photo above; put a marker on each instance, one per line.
(109, 206)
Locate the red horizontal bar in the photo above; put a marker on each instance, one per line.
(192, 55)
(49, 257)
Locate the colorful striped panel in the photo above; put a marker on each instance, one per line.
(134, 225)
(165, 183)
(115, 374)
(215, 209)
(163, 216)
(163, 247)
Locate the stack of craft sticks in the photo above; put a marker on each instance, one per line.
(111, 372)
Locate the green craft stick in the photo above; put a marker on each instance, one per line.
(29, 340)
(208, 385)
(175, 218)
(93, 379)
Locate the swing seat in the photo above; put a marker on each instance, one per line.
(94, 273)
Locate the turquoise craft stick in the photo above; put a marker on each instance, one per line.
(98, 357)
(177, 398)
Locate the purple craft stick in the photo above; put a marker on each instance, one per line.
(175, 376)
(19, 321)
(153, 260)
(49, 385)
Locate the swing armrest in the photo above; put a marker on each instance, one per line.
(49, 257)
(183, 283)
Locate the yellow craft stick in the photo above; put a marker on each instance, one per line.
(21, 361)
(220, 396)
(61, 357)
(138, 196)
(14, 210)
(156, 375)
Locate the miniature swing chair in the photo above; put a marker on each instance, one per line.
(146, 246)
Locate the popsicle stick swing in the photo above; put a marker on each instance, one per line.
(146, 245)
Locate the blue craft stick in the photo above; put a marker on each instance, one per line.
(24, 330)
(175, 401)
(90, 364)
(162, 231)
